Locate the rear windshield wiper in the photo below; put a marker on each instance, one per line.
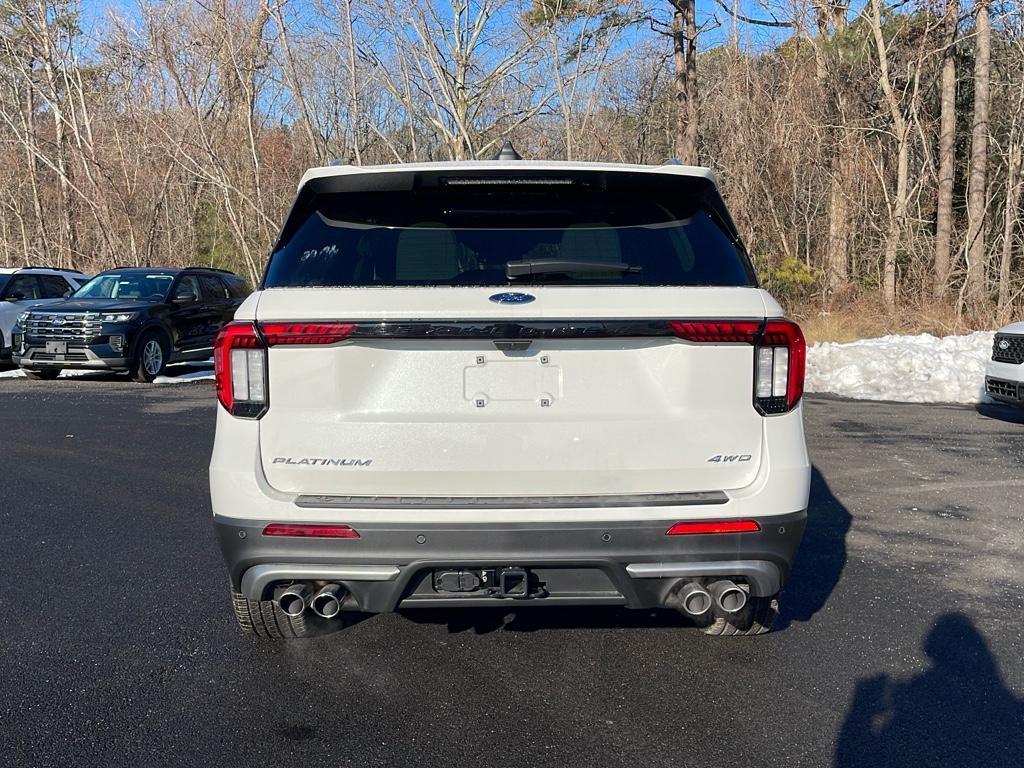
(516, 269)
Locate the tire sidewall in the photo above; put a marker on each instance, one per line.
(138, 370)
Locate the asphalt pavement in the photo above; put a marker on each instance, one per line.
(900, 642)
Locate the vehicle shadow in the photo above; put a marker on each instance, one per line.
(821, 558)
(819, 566)
(998, 412)
(516, 618)
(958, 707)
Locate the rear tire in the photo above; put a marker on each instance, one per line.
(756, 618)
(42, 374)
(151, 353)
(264, 620)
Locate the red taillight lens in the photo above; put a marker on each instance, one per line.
(311, 531)
(780, 355)
(239, 365)
(305, 333)
(717, 331)
(718, 526)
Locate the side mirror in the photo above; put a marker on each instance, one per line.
(66, 293)
(184, 298)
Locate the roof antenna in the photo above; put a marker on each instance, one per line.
(507, 152)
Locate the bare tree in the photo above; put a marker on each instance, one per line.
(975, 290)
(947, 152)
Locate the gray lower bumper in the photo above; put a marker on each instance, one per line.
(99, 358)
(622, 563)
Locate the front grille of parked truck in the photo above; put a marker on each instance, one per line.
(55, 326)
(1007, 390)
(1008, 348)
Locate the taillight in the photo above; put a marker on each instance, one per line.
(717, 331)
(715, 526)
(240, 359)
(314, 531)
(305, 333)
(779, 356)
(240, 370)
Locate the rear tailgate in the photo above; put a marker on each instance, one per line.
(424, 402)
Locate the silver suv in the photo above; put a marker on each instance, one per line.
(508, 382)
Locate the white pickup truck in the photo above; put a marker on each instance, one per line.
(508, 382)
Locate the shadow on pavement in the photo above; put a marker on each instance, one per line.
(519, 619)
(958, 712)
(819, 565)
(1001, 412)
(821, 558)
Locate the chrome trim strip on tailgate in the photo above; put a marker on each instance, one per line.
(695, 498)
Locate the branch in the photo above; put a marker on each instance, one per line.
(758, 22)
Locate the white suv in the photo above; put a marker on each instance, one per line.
(508, 383)
(1004, 380)
(27, 287)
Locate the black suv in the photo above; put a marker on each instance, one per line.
(136, 320)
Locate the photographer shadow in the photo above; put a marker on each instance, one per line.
(958, 712)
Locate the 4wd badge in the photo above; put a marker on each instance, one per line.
(726, 458)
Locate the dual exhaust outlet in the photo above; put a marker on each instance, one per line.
(325, 603)
(695, 599)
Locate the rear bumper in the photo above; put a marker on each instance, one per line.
(630, 563)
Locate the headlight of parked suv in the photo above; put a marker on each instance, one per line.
(23, 319)
(119, 317)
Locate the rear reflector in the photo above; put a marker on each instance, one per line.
(311, 531)
(718, 526)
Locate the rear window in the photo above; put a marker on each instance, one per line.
(432, 229)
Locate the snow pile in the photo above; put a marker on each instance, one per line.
(174, 374)
(908, 369)
(199, 374)
(66, 374)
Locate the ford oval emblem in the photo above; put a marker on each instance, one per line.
(512, 298)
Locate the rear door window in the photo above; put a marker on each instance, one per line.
(54, 286)
(453, 231)
(213, 289)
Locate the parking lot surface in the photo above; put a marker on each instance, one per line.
(900, 640)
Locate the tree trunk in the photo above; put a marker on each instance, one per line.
(836, 266)
(947, 155)
(1013, 193)
(684, 40)
(976, 294)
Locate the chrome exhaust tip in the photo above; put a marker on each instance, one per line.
(729, 597)
(327, 602)
(293, 600)
(692, 599)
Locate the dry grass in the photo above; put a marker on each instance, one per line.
(865, 318)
